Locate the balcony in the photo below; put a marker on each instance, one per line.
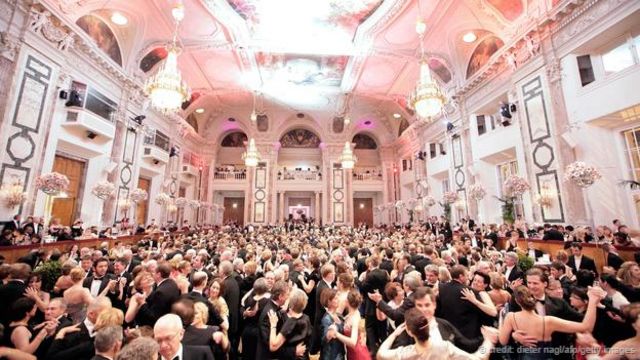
(367, 174)
(299, 175)
(230, 173)
(189, 170)
(89, 125)
(155, 155)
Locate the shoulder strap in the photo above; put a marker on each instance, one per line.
(515, 324)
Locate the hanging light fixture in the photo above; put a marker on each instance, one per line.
(251, 156)
(166, 89)
(348, 159)
(427, 99)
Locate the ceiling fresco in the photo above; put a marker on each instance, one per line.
(302, 70)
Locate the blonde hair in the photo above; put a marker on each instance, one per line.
(625, 273)
(201, 312)
(77, 274)
(109, 317)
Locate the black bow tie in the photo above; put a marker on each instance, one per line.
(541, 301)
(98, 278)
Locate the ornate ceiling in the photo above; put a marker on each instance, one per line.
(312, 56)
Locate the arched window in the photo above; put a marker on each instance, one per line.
(300, 138)
(234, 139)
(364, 142)
(483, 53)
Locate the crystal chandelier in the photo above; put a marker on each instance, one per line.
(166, 89)
(427, 99)
(251, 156)
(348, 159)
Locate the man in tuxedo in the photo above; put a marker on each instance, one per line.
(532, 252)
(77, 341)
(512, 271)
(452, 307)
(99, 280)
(613, 259)
(424, 299)
(552, 233)
(14, 224)
(387, 262)
(577, 261)
(159, 302)
(197, 295)
(107, 343)
(231, 295)
(13, 289)
(375, 279)
(410, 284)
(279, 296)
(31, 226)
(558, 272)
(124, 277)
(328, 274)
(168, 333)
(404, 267)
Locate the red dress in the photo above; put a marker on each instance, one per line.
(360, 352)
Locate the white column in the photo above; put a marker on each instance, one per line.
(316, 209)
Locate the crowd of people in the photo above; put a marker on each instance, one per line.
(305, 291)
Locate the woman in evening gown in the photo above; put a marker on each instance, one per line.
(354, 336)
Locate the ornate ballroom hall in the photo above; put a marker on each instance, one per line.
(340, 112)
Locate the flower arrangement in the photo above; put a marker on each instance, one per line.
(477, 192)
(163, 199)
(581, 174)
(137, 195)
(13, 194)
(103, 190)
(194, 204)
(171, 208)
(449, 197)
(428, 201)
(515, 186)
(399, 204)
(52, 183)
(544, 200)
(180, 202)
(205, 205)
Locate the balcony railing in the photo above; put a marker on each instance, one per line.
(367, 174)
(299, 175)
(236, 173)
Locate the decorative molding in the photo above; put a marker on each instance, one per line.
(9, 45)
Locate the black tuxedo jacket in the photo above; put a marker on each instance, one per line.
(214, 316)
(264, 330)
(232, 297)
(553, 234)
(386, 265)
(614, 260)
(448, 333)
(586, 263)
(159, 302)
(462, 314)
(9, 293)
(397, 315)
(11, 225)
(77, 345)
(375, 279)
(514, 274)
(115, 301)
(105, 281)
(192, 352)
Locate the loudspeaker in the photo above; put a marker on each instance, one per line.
(64, 94)
(570, 139)
(91, 135)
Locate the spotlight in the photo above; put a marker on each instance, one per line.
(421, 155)
(504, 111)
(74, 99)
(138, 119)
(91, 135)
(450, 127)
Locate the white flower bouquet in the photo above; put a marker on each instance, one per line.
(581, 174)
(515, 186)
(428, 201)
(399, 204)
(194, 204)
(181, 202)
(52, 183)
(477, 192)
(103, 190)
(137, 195)
(163, 199)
